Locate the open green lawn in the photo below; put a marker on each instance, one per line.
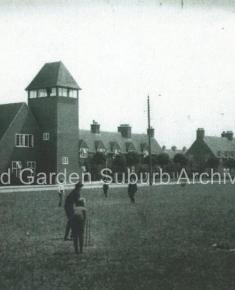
(164, 241)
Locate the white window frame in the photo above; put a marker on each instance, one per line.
(101, 150)
(83, 152)
(65, 160)
(42, 93)
(145, 153)
(24, 140)
(63, 92)
(16, 167)
(53, 92)
(116, 151)
(33, 94)
(73, 93)
(45, 136)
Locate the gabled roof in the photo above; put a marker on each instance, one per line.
(53, 74)
(7, 115)
(109, 138)
(219, 144)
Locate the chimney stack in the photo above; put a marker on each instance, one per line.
(125, 130)
(228, 135)
(95, 127)
(200, 134)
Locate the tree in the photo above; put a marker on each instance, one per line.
(132, 158)
(212, 162)
(119, 163)
(154, 160)
(229, 163)
(98, 159)
(163, 159)
(180, 159)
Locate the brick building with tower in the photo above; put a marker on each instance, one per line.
(43, 134)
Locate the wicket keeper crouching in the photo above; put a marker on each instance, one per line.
(77, 222)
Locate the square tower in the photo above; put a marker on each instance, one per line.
(53, 97)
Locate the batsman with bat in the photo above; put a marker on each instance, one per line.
(78, 222)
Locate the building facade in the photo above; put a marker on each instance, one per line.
(205, 148)
(112, 144)
(43, 135)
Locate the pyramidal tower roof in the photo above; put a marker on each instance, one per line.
(53, 74)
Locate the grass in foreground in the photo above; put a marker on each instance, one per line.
(164, 241)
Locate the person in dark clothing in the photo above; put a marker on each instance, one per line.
(132, 189)
(61, 192)
(71, 200)
(105, 188)
(78, 225)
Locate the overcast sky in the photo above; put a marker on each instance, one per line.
(119, 53)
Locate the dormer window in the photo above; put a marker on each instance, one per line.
(83, 152)
(63, 92)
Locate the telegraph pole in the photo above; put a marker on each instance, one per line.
(182, 3)
(150, 149)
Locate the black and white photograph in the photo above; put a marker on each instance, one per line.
(117, 145)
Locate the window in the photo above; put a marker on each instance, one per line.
(102, 150)
(31, 165)
(145, 153)
(116, 151)
(16, 167)
(65, 160)
(33, 94)
(73, 93)
(83, 153)
(63, 92)
(24, 140)
(46, 136)
(42, 93)
(53, 92)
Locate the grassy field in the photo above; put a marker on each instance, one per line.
(164, 241)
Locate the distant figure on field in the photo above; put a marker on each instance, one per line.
(132, 189)
(105, 188)
(61, 192)
(71, 200)
(78, 221)
(183, 184)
